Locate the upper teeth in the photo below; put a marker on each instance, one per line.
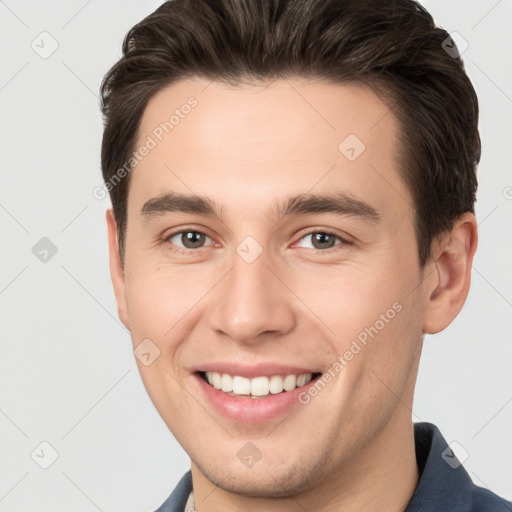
(259, 386)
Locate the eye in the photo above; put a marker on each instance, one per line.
(323, 240)
(189, 239)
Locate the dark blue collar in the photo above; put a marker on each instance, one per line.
(444, 484)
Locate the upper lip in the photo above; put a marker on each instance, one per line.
(253, 370)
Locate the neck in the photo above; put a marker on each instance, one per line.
(381, 477)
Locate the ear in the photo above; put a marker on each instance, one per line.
(450, 274)
(117, 269)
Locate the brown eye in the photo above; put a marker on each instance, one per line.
(188, 239)
(322, 240)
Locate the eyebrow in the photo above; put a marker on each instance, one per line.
(339, 203)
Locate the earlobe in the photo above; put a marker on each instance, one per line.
(116, 269)
(450, 278)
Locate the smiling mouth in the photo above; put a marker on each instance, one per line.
(257, 387)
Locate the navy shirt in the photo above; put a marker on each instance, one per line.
(444, 485)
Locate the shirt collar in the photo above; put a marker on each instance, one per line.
(443, 484)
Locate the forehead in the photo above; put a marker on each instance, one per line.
(255, 142)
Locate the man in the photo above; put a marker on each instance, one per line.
(293, 187)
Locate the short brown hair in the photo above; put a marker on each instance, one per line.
(393, 46)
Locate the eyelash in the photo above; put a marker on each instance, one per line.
(329, 232)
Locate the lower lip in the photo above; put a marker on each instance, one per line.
(252, 410)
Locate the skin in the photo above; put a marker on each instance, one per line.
(352, 447)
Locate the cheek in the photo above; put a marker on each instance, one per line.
(161, 306)
(371, 321)
(349, 300)
(159, 299)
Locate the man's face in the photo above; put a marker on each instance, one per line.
(248, 292)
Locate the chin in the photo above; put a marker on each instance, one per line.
(263, 481)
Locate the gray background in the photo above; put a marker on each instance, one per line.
(67, 372)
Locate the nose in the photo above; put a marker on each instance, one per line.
(252, 302)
